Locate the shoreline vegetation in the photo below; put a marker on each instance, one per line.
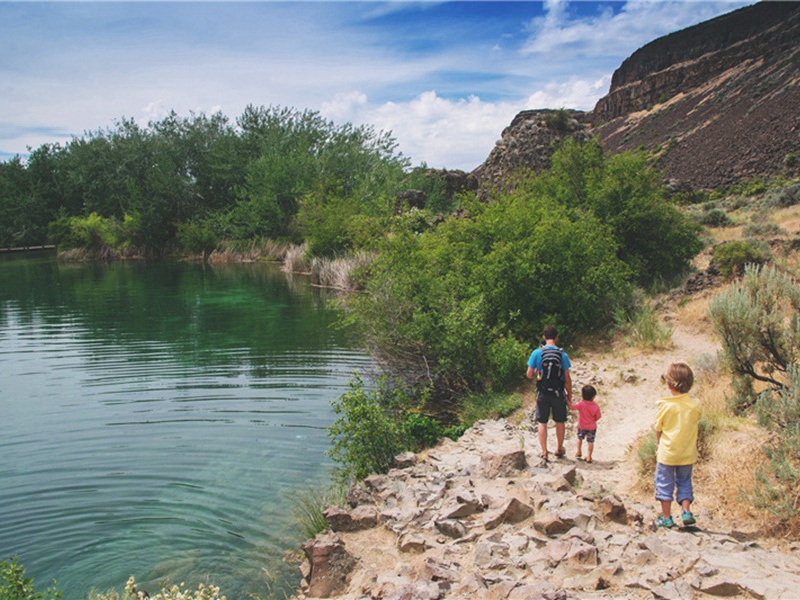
(451, 289)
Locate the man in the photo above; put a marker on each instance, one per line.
(549, 366)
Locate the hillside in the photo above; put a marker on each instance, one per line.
(714, 104)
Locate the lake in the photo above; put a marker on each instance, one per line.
(161, 419)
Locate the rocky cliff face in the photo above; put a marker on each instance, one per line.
(714, 104)
(528, 144)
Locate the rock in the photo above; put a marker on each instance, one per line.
(514, 511)
(612, 508)
(673, 590)
(451, 528)
(414, 544)
(330, 566)
(404, 460)
(360, 518)
(503, 465)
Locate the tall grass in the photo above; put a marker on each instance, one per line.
(310, 503)
(341, 273)
(641, 327)
(249, 251)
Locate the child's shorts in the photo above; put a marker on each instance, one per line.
(669, 479)
(587, 434)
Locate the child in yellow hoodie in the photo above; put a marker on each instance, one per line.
(676, 433)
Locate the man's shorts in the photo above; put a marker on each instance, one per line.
(547, 402)
(587, 434)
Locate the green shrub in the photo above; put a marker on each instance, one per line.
(731, 258)
(778, 481)
(757, 321)
(762, 230)
(641, 327)
(422, 431)
(715, 218)
(14, 585)
(196, 237)
(782, 197)
(478, 407)
(558, 120)
(646, 455)
(308, 506)
(367, 434)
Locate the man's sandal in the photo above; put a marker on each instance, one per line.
(561, 453)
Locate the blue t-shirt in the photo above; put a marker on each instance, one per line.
(535, 361)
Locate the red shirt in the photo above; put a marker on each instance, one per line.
(588, 414)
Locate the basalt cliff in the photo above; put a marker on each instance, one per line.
(713, 104)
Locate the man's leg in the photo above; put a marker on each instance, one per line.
(560, 428)
(543, 438)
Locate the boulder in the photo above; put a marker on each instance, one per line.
(330, 566)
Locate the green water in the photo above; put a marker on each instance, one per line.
(161, 419)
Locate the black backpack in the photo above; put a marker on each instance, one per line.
(552, 375)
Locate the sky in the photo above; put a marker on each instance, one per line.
(444, 77)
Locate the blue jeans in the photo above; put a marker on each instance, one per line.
(669, 479)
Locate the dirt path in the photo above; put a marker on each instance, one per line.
(628, 384)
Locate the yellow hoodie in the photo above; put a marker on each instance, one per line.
(677, 420)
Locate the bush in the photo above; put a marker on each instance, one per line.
(715, 218)
(641, 327)
(367, 434)
(758, 323)
(422, 431)
(782, 197)
(197, 238)
(762, 230)
(731, 258)
(778, 482)
(14, 585)
(309, 505)
(478, 407)
(448, 308)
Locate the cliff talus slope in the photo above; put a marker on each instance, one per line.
(717, 103)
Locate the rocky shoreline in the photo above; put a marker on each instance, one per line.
(486, 518)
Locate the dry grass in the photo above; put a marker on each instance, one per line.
(341, 273)
(296, 259)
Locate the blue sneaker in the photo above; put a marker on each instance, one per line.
(687, 518)
(663, 521)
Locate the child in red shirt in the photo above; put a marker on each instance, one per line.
(588, 415)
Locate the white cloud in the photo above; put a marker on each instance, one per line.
(616, 34)
(443, 133)
(576, 93)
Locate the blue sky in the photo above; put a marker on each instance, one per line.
(445, 77)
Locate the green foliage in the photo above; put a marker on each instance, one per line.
(655, 239)
(196, 237)
(753, 230)
(478, 407)
(715, 217)
(367, 434)
(778, 482)
(308, 506)
(731, 258)
(758, 322)
(447, 307)
(782, 197)
(640, 326)
(422, 431)
(14, 585)
(244, 181)
(558, 120)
